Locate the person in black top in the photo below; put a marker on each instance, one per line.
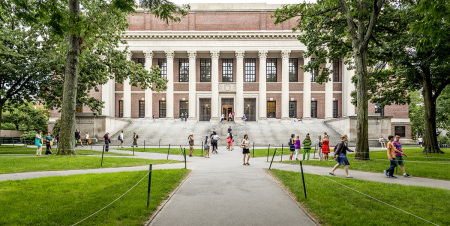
(341, 152)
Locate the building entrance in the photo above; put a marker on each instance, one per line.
(250, 109)
(205, 109)
(227, 108)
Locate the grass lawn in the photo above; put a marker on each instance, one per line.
(335, 204)
(67, 200)
(416, 163)
(32, 151)
(16, 164)
(173, 150)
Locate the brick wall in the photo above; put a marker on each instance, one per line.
(135, 98)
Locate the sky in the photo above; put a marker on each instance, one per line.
(241, 1)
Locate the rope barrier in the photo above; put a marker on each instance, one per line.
(372, 197)
(124, 193)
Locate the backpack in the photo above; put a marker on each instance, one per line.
(336, 151)
(118, 138)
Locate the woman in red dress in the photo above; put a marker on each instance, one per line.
(325, 147)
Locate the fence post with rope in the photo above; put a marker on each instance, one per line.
(184, 153)
(103, 152)
(272, 158)
(303, 178)
(149, 184)
(168, 152)
(268, 149)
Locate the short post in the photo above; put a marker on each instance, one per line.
(282, 145)
(184, 153)
(149, 184)
(159, 143)
(201, 150)
(426, 153)
(315, 148)
(103, 152)
(303, 178)
(133, 149)
(272, 158)
(168, 152)
(144, 145)
(268, 149)
(253, 149)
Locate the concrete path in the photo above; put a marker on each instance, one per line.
(222, 191)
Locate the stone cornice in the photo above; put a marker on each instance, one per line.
(145, 35)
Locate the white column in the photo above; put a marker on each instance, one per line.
(148, 92)
(127, 94)
(262, 85)
(306, 91)
(112, 96)
(329, 93)
(348, 87)
(285, 84)
(192, 84)
(215, 85)
(106, 110)
(239, 85)
(169, 92)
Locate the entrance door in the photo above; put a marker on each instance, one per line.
(227, 110)
(250, 109)
(205, 109)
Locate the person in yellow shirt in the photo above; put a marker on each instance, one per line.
(391, 156)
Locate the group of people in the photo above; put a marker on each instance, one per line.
(78, 139)
(39, 141)
(228, 117)
(183, 116)
(322, 146)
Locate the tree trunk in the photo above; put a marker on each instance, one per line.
(67, 133)
(430, 139)
(362, 126)
(1, 111)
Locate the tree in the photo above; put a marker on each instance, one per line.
(26, 116)
(91, 53)
(339, 29)
(23, 58)
(418, 60)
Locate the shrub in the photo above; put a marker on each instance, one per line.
(28, 137)
(442, 139)
(8, 126)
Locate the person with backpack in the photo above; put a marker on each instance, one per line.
(121, 139)
(341, 151)
(135, 137)
(191, 143)
(206, 147)
(306, 146)
(291, 146)
(214, 140)
(107, 141)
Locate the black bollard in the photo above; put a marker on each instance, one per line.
(144, 145)
(201, 150)
(253, 150)
(103, 151)
(184, 152)
(159, 143)
(168, 152)
(282, 145)
(133, 149)
(149, 184)
(268, 149)
(303, 178)
(272, 158)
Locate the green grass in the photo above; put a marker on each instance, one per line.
(416, 163)
(66, 200)
(262, 152)
(173, 150)
(32, 151)
(335, 204)
(16, 164)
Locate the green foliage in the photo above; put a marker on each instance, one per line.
(416, 114)
(28, 136)
(443, 109)
(443, 139)
(26, 116)
(8, 126)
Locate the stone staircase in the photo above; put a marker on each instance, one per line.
(176, 133)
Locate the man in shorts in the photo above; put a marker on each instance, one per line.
(399, 155)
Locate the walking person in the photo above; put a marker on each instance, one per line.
(38, 143)
(291, 146)
(391, 156)
(206, 147)
(245, 145)
(86, 138)
(420, 139)
(399, 155)
(230, 117)
(319, 147)
(135, 137)
(214, 140)
(107, 141)
(77, 134)
(341, 152)
(325, 148)
(121, 139)
(191, 143)
(381, 140)
(306, 146)
(231, 142)
(48, 141)
(297, 146)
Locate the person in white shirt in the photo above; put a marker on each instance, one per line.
(121, 139)
(420, 139)
(381, 140)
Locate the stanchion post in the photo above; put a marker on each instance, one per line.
(103, 152)
(303, 178)
(282, 146)
(201, 150)
(149, 184)
(253, 149)
(168, 152)
(144, 145)
(426, 153)
(315, 148)
(133, 149)
(268, 149)
(272, 158)
(184, 153)
(159, 143)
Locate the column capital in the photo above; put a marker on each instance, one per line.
(285, 54)
(215, 54)
(148, 53)
(129, 55)
(240, 54)
(262, 53)
(170, 54)
(192, 54)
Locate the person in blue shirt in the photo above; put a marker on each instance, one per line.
(48, 139)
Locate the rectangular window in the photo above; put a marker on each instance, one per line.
(400, 130)
(120, 108)
(79, 108)
(184, 107)
(379, 109)
(271, 70)
(184, 70)
(141, 108)
(314, 74)
(205, 70)
(227, 70)
(335, 109)
(141, 61)
(162, 63)
(314, 109)
(250, 70)
(162, 109)
(293, 70)
(336, 71)
(271, 109)
(292, 109)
